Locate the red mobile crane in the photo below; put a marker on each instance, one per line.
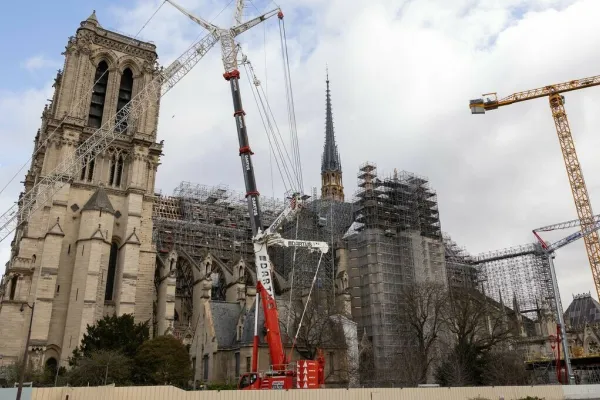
(308, 374)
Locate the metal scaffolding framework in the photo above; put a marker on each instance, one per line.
(320, 220)
(200, 218)
(519, 273)
(396, 237)
(461, 268)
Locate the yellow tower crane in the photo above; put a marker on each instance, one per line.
(580, 194)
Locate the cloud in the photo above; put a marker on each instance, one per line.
(39, 62)
(401, 74)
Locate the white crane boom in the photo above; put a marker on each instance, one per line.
(239, 11)
(227, 35)
(47, 186)
(203, 23)
(566, 225)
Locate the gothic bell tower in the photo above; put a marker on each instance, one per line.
(87, 252)
(332, 187)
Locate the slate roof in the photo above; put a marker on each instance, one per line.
(583, 309)
(248, 327)
(99, 201)
(225, 319)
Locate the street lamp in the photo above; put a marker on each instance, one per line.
(26, 352)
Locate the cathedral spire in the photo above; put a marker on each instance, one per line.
(331, 164)
(331, 158)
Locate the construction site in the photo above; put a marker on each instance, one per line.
(395, 241)
(266, 293)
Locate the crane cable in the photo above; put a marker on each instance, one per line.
(312, 285)
(296, 165)
(276, 142)
(79, 103)
(290, 105)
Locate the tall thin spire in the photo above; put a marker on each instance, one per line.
(332, 187)
(331, 158)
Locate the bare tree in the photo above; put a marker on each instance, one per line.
(477, 320)
(479, 325)
(506, 368)
(314, 326)
(319, 327)
(366, 361)
(420, 319)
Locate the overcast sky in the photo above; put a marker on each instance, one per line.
(402, 73)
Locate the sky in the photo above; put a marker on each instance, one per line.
(401, 72)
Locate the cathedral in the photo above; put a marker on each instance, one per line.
(108, 244)
(206, 279)
(88, 252)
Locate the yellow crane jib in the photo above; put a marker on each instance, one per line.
(579, 191)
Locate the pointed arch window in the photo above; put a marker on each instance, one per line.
(125, 92)
(87, 168)
(13, 287)
(116, 170)
(112, 268)
(98, 96)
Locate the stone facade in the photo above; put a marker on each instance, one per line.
(88, 251)
(210, 305)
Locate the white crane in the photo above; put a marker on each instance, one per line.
(47, 186)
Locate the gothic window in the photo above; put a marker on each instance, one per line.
(116, 170)
(98, 96)
(125, 91)
(112, 268)
(87, 168)
(219, 287)
(205, 367)
(13, 287)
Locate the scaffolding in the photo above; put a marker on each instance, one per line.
(320, 220)
(199, 218)
(461, 267)
(518, 275)
(395, 237)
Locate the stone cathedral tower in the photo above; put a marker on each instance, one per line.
(88, 252)
(332, 187)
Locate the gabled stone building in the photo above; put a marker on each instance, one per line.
(88, 251)
(217, 320)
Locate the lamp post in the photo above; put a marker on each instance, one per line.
(26, 352)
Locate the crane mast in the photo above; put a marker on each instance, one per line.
(567, 145)
(281, 377)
